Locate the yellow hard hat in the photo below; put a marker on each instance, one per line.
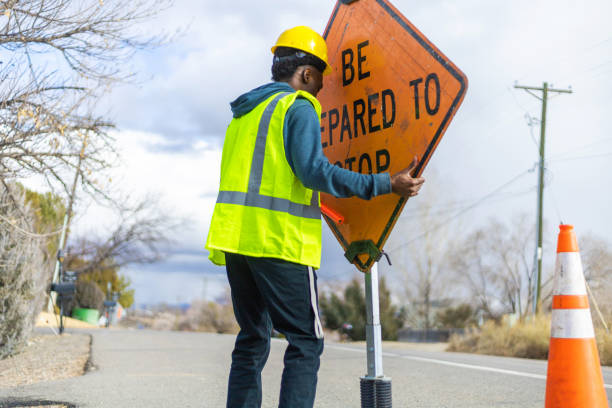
(304, 39)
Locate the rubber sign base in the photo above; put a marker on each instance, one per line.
(375, 392)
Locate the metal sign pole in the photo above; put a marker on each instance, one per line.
(375, 387)
(373, 331)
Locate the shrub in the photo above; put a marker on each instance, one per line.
(164, 321)
(348, 315)
(89, 295)
(218, 318)
(103, 274)
(528, 339)
(458, 317)
(209, 317)
(604, 344)
(24, 274)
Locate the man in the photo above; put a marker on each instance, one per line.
(266, 226)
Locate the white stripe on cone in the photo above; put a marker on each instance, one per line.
(569, 278)
(571, 324)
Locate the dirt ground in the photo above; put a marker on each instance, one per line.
(48, 356)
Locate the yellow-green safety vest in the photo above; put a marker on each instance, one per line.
(263, 209)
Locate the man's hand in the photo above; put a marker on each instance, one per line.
(402, 183)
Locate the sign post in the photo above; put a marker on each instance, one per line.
(390, 97)
(375, 387)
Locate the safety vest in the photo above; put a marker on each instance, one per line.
(263, 209)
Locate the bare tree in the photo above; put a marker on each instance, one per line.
(496, 262)
(422, 259)
(57, 58)
(142, 234)
(596, 256)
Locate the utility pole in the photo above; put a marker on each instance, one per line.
(67, 216)
(538, 252)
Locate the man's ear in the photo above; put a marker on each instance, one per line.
(306, 74)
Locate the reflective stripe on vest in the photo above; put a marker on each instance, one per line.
(252, 198)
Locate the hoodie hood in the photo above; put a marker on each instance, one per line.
(248, 101)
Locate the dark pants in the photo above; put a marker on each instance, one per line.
(271, 293)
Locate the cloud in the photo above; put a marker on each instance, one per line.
(174, 120)
(223, 52)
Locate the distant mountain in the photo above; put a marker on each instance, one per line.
(162, 306)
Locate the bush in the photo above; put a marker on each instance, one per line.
(103, 274)
(89, 295)
(348, 315)
(218, 318)
(458, 317)
(604, 344)
(24, 274)
(209, 317)
(528, 339)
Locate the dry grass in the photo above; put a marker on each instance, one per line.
(528, 339)
(209, 317)
(604, 344)
(201, 316)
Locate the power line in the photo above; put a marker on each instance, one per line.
(459, 205)
(464, 210)
(591, 156)
(549, 183)
(578, 148)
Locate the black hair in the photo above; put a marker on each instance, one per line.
(287, 60)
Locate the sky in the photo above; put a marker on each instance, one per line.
(171, 123)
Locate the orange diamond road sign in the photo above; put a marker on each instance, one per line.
(390, 96)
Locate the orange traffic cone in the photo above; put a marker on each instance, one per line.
(574, 374)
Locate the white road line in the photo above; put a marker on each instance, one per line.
(450, 363)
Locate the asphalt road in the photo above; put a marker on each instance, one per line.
(141, 368)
